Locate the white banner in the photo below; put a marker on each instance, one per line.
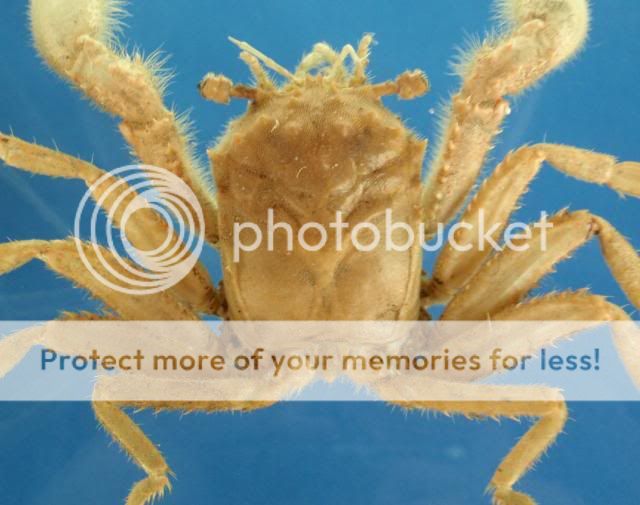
(171, 361)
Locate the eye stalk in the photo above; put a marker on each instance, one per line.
(220, 89)
(408, 85)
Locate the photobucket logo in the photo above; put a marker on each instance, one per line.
(479, 235)
(173, 237)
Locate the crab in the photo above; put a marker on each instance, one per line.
(322, 141)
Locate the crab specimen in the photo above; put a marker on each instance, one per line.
(321, 142)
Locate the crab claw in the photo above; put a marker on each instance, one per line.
(569, 19)
(57, 25)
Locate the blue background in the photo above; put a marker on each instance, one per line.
(315, 453)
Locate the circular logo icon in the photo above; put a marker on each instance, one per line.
(121, 193)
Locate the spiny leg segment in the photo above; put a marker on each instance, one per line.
(540, 35)
(14, 347)
(136, 444)
(561, 312)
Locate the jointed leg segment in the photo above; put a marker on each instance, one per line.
(479, 400)
(492, 206)
(513, 273)
(81, 50)
(552, 418)
(62, 257)
(541, 35)
(580, 306)
(132, 439)
(145, 229)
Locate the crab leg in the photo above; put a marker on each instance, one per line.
(62, 257)
(520, 401)
(513, 273)
(552, 418)
(492, 206)
(145, 229)
(473, 400)
(565, 306)
(77, 39)
(581, 306)
(563, 314)
(15, 346)
(543, 35)
(138, 446)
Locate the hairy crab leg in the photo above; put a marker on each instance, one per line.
(564, 306)
(498, 197)
(517, 401)
(62, 257)
(582, 306)
(145, 229)
(15, 346)
(77, 39)
(514, 272)
(562, 315)
(481, 400)
(137, 445)
(541, 35)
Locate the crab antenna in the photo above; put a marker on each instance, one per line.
(258, 72)
(320, 54)
(365, 45)
(359, 74)
(268, 62)
(338, 66)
